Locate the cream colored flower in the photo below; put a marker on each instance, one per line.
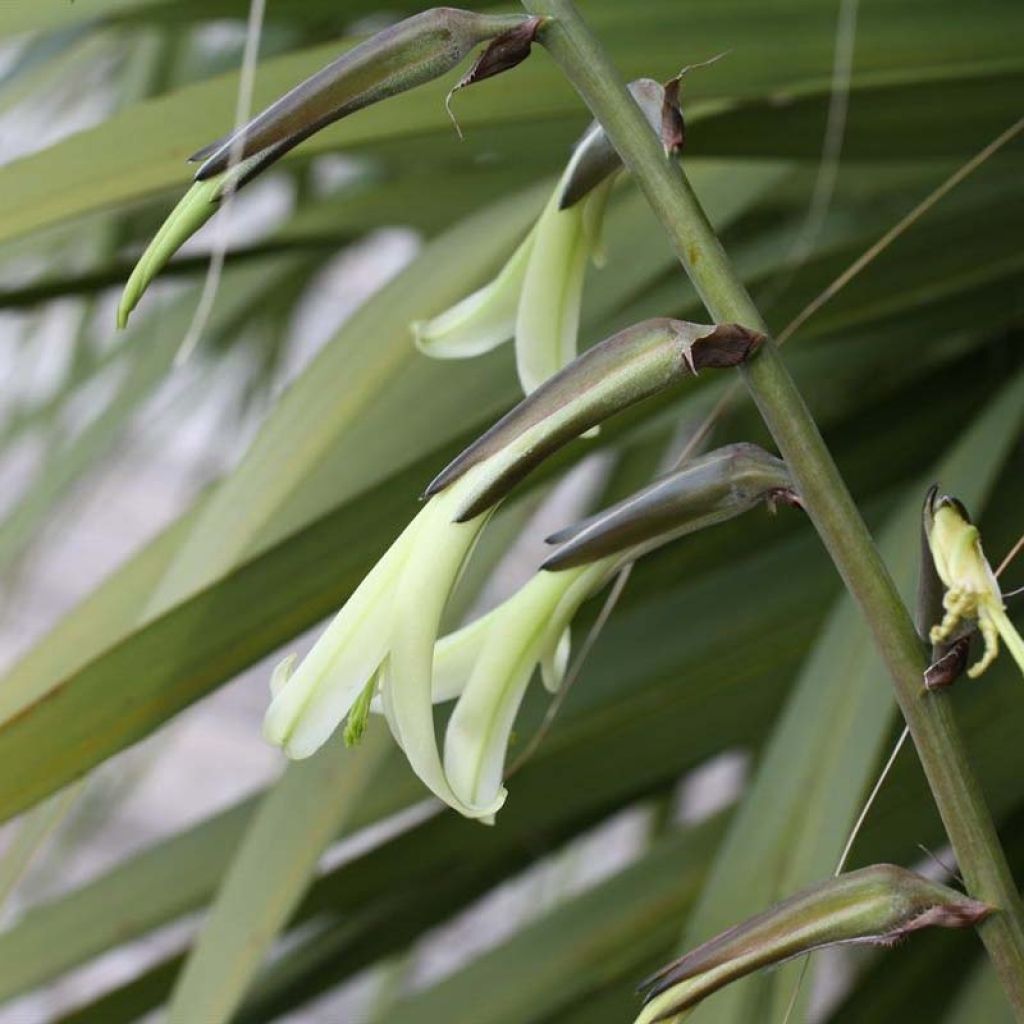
(381, 649)
(535, 298)
(384, 637)
(972, 590)
(530, 631)
(537, 295)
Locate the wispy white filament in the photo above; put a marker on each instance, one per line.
(243, 111)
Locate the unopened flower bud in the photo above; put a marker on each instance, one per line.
(707, 490)
(399, 58)
(394, 60)
(878, 905)
(619, 371)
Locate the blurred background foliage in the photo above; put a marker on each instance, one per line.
(731, 716)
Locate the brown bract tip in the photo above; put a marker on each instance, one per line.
(947, 669)
(964, 913)
(503, 53)
(727, 345)
(784, 496)
(673, 125)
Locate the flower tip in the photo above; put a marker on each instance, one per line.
(558, 561)
(205, 152)
(280, 718)
(555, 662)
(196, 207)
(275, 728)
(488, 815)
(282, 673)
(564, 557)
(298, 749)
(726, 346)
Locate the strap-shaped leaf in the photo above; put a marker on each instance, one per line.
(271, 871)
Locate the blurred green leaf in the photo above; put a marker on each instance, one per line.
(32, 831)
(586, 942)
(981, 1000)
(89, 170)
(272, 869)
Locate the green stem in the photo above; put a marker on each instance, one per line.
(930, 718)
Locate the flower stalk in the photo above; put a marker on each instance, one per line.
(825, 496)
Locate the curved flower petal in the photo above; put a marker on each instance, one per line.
(479, 728)
(554, 663)
(455, 655)
(528, 629)
(309, 704)
(585, 581)
(536, 296)
(548, 318)
(196, 207)
(386, 700)
(418, 603)
(481, 321)
(594, 208)
(282, 673)
(1006, 629)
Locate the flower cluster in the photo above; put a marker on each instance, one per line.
(382, 649)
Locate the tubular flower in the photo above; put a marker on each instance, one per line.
(380, 648)
(530, 630)
(536, 296)
(489, 663)
(384, 637)
(972, 592)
